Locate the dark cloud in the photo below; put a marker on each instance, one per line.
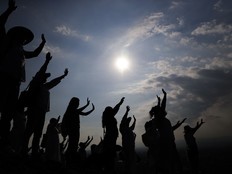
(197, 94)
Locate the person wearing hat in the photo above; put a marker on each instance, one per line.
(12, 67)
(39, 105)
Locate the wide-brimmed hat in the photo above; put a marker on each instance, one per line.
(20, 31)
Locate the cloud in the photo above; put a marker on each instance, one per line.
(217, 6)
(51, 49)
(175, 4)
(212, 27)
(66, 31)
(148, 27)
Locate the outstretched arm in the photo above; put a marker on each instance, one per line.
(198, 126)
(85, 106)
(88, 141)
(37, 51)
(126, 114)
(43, 68)
(132, 127)
(4, 16)
(178, 124)
(87, 113)
(117, 107)
(163, 103)
(57, 80)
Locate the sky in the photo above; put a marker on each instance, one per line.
(182, 46)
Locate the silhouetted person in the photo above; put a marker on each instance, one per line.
(70, 125)
(40, 104)
(94, 161)
(192, 148)
(52, 144)
(110, 129)
(151, 140)
(12, 67)
(170, 160)
(128, 142)
(82, 148)
(18, 127)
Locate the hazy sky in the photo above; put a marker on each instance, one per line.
(183, 46)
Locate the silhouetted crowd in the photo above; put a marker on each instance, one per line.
(23, 116)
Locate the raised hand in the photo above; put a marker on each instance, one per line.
(48, 56)
(164, 92)
(88, 101)
(122, 99)
(43, 38)
(183, 120)
(127, 108)
(66, 72)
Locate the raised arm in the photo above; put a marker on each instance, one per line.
(132, 127)
(178, 124)
(117, 107)
(126, 114)
(57, 80)
(88, 141)
(198, 126)
(43, 68)
(164, 100)
(85, 106)
(37, 51)
(4, 16)
(87, 113)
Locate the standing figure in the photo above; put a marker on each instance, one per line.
(151, 140)
(12, 68)
(52, 144)
(82, 149)
(192, 148)
(169, 158)
(128, 142)
(39, 105)
(110, 129)
(70, 125)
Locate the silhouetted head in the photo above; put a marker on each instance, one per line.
(74, 103)
(154, 111)
(148, 125)
(20, 34)
(108, 110)
(53, 121)
(187, 129)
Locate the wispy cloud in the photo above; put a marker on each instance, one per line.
(175, 4)
(212, 28)
(148, 27)
(66, 31)
(217, 6)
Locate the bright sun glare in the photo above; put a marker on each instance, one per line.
(122, 64)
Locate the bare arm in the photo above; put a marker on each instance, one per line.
(117, 107)
(132, 127)
(37, 51)
(164, 100)
(4, 16)
(87, 113)
(126, 114)
(43, 68)
(57, 80)
(198, 126)
(178, 124)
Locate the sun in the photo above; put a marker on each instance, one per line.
(122, 64)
